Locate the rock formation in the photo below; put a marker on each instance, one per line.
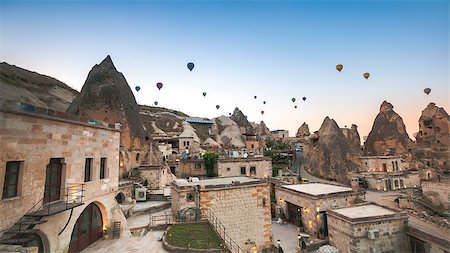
(353, 137)
(433, 139)
(330, 154)
(262, 131)
(303, 131)
(106, 96)
(241, 120)
(21, 85)
(388, 135)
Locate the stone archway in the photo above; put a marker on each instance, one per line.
(396, 186)
(402, 185)
(88, 228)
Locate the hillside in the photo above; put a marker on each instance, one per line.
(30, 87)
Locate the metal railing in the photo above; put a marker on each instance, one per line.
(73, 194)
(220, 230)
(161, 219)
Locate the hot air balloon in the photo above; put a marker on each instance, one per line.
(339, 67)
(255, 97)
(137, 88)
(427, 90)
(262, 112)
(217, 107)
(366, 75)
(304, 98)
(204, 94)
(264, 102)
(156, 102)
(295, 106)
(293, 100)
(229, 113)
(190, 66)
(159, 85)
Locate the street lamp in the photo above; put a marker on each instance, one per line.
(299, 241)
(278, 242)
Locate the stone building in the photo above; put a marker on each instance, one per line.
(59, 174)
(156, 176)
(280, 134)
(368, 228)
(241, 204)
(306, 205)
(191, 168)
(260, 167)
(385, 173)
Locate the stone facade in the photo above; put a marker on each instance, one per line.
(260, 167)
(157, 176)
(191, 168)
(389, 181)
(439, 188)
(33, 138)
(242, 208)
(361, 230)
(382, 163)
(311, 208)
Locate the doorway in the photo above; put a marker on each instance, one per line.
(53, 174)
(87, 229)
(294, 214)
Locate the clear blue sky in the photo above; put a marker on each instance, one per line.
(275, 50)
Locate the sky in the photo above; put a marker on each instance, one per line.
(275, 50)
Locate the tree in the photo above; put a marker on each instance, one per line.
(210, 158)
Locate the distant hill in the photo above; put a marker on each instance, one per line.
(30, 87)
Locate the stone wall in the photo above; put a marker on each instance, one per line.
(379, 163)
(311, 206)
(243, 210)
(441, 188)
(232, 167)
(34, 139)
(352, 236)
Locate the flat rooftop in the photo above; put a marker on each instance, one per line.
(366, 211)
(216, 181)
(317, 188)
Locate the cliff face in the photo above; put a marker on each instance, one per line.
(388, 135)
(21, 85)
(433, 139)
(107, 96)
(330, 154)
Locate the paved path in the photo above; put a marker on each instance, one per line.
(147, 244)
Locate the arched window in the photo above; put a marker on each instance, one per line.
(137, 157)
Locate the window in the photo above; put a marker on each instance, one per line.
(102, 167)
(243, 171)
(190, 197)
(252, 170)
(137, 157)
(187, 143)
(11, 184)
(253, 145)
(228, 169)
(198, 166)
(88, 170)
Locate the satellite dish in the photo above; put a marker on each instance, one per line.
(245, 155)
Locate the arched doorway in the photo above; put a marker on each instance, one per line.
(388, 184)
(402, 185)
(396, 185)
(87, 229)
(35, 241)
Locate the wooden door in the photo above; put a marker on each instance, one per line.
(87, 229)
(52, 190)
